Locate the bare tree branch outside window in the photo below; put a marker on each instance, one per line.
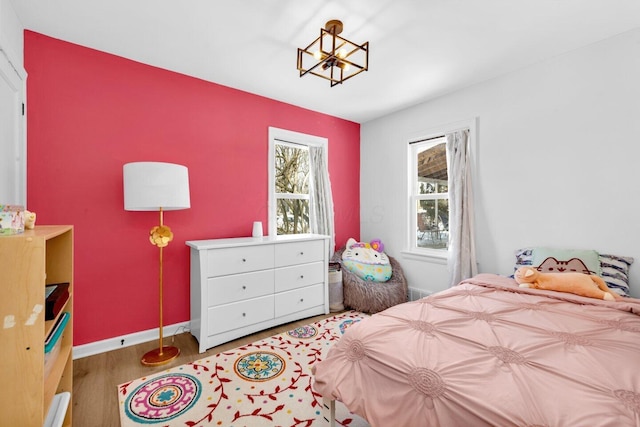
(292, 189)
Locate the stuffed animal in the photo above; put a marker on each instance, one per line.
(586, 285)
(367, 260)
(29, 220)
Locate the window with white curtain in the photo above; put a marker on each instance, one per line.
(433, 225)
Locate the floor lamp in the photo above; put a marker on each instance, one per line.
(156, 186)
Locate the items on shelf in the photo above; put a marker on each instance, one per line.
(336, 294)
(53, 343)
(57, 410)
(11, 219)
(56, 296)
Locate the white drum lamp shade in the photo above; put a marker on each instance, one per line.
(149, 186)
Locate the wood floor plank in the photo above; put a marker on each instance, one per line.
(96, 378)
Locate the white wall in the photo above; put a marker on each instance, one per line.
(11, 34)
(13, 173)
(558, 160)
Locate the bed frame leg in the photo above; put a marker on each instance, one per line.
(329, 409)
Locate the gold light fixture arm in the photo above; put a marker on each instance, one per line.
(331, 56)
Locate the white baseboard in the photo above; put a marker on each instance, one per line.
(115, 343)
(416, 294)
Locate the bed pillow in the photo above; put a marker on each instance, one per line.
(524, 258)
(614, 269)
(553, 260)
(615, 272)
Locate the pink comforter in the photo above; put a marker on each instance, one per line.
(487, 353)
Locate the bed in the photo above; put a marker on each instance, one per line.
(488, 353)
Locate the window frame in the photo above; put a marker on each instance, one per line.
(413, 141)
(415, 147)
(287, 137)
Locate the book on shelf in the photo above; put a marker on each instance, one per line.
(56, 295)
(56, 332)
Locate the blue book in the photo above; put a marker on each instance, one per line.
(56, 333)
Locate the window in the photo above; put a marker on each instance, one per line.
(429, 197)
(291, 209)
(291, 188)
(439, 222)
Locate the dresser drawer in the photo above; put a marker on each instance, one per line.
(238, 287)
(242, 259)
(298, 276)
(239, 314)
(299, 252)
(299, 299)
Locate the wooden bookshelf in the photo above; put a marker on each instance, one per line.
(28, 262)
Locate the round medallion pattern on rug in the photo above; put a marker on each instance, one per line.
(259, 366)
(303, 332)
(347, 323)
(162, 398)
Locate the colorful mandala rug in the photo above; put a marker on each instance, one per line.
(265, 383)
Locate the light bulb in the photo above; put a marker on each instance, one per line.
(317, 55)
(342, 53)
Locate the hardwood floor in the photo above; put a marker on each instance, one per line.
(95, 378)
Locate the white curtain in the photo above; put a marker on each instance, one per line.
(462, 255)
(321, 205)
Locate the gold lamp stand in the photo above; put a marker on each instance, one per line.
(160, 236)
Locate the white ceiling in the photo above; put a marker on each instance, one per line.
(419, 49)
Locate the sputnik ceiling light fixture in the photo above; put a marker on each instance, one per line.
(333, 57)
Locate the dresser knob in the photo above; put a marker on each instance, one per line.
(301, 299)
(301, 253)
(301, 276)
(244, 260)
(244, 287)
(244, 314)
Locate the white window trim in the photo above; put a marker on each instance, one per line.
(411, 250)
(280, 136)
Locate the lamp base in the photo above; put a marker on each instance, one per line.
(154, 358)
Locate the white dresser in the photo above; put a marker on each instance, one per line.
(247, 284)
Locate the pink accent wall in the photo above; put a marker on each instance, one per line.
(90, 112)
